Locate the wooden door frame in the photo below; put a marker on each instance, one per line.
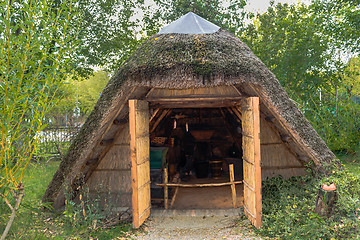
(140, 162)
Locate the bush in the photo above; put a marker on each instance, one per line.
(288, 208)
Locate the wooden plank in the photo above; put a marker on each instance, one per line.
(251, 164)
(140, 164)
(233, 189)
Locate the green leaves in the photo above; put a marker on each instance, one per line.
(36, 44)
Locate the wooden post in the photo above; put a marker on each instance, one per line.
(173, 198)
(166, 193)
(233, 189)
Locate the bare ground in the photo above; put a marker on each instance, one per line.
(199, 227)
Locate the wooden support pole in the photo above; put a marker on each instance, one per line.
(166, 192)
(174, 197)
(233, 190)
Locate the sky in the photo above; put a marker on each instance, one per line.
(261, 5)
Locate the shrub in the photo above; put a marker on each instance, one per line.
(288, 208)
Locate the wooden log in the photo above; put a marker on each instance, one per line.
(198, 185)
(166, 193)
(233, 190)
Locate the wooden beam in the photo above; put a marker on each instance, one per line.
(190, 99)
(195, 104)
(158, 120)
(198, 184)
(154, 114)
(237, 112)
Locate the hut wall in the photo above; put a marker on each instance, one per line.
(111, 180)
(276, 158)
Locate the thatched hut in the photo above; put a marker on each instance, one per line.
(201, 93)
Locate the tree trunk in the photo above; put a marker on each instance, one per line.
(19, 197)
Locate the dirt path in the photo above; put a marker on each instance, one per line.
(196, 227)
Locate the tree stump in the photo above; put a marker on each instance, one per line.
(326, 199)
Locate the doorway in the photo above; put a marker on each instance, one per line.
(196, 145)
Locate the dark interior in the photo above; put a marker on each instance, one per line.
(196, 145)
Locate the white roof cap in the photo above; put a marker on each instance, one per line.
(190, 23)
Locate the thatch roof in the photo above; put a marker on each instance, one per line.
(180, 61)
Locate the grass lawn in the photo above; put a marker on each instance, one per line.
(32, 222)
(351, 162)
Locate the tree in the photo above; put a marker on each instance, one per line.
(286, 38)
(108, 31)
(304, 46)
(37, 46)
